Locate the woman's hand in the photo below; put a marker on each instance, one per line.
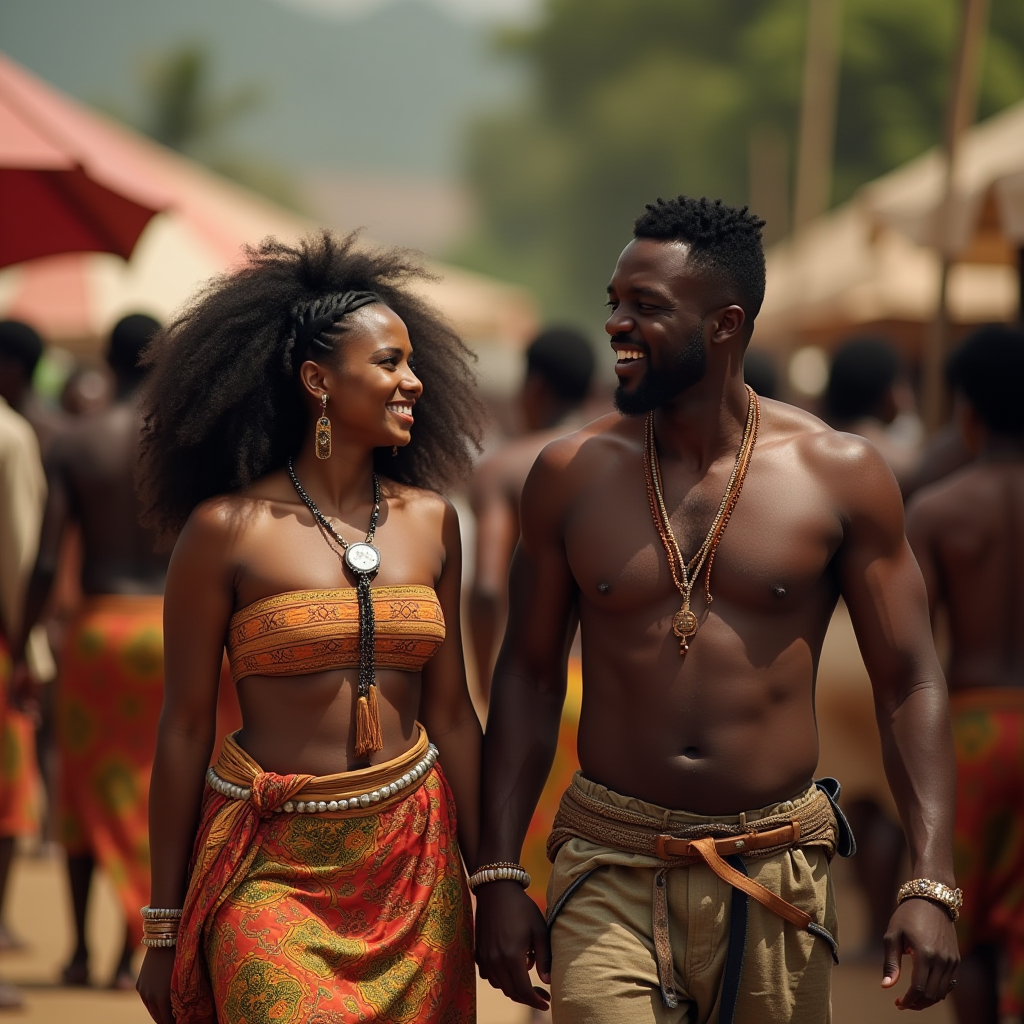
(154, 984)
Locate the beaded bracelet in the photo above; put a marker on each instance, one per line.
(502, 871)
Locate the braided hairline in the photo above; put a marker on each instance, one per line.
(309, 318)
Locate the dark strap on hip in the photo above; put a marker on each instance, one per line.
(738, 912)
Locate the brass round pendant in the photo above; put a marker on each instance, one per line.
(684, 623)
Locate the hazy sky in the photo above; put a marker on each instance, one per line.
(391, 88)
(484, 10)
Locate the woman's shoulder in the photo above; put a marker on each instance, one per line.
(415, 500)
(228, 513)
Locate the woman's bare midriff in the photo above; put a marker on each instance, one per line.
(303, 724)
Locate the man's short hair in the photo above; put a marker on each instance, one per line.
(564, 359)
(725, 242)
(128, 340)
(987, 368)
(863, 371)
(19, 343)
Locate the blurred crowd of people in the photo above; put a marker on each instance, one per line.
(81, 640)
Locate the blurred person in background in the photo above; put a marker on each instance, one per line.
(22, 498)
(868, 394)
(21, 348)
(87, 390)
(761, 373)
(559, 368)
(326, 881)
(968, 534)
(111, 664)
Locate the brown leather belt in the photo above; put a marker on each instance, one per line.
(582, 815)
(671, 848)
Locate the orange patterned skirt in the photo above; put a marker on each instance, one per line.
(111, 690)
(20, 785)
(988, 835)
(325, 918)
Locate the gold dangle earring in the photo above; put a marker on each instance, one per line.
(394, 451)
(323, 431)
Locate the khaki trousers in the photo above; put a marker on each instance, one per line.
(604, 969)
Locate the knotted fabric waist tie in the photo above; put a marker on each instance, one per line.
(238, 777)
(810, 823)
(230, 834)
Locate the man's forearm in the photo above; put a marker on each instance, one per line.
(920, 764)
(484, 613)
(519, 748)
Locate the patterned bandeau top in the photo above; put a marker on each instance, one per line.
(307, 631)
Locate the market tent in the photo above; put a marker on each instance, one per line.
(73, 300)
(986, 215)
(845, 273)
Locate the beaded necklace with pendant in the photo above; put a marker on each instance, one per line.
(685, 574)
(363, 560)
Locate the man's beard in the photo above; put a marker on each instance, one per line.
(657, 387)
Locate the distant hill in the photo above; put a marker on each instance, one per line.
(389, 90)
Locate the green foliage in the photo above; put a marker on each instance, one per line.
(180, 109)
(632, 99)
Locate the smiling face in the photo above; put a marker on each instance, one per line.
(660, 308)
(370, 383)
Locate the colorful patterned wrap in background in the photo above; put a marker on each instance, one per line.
(327, 918)
(534, 857)
(108, 705)
(988, 836)
(20, 785)
(111, 689)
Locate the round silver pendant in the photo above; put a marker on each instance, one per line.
(362, 558)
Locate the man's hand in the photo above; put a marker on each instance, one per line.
(511, 937)
(154, 984)
(923, 930)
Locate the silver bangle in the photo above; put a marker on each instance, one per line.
(159, 914)
(159, 943)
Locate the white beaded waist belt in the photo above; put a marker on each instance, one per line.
(345, 798)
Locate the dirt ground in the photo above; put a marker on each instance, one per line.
(38, 914)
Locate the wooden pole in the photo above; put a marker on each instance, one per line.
(768, 186)
(818, 112)
(960, 114)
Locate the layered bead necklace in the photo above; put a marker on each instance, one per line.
(363, 561)
(685, 574)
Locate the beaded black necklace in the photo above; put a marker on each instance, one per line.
(363, 561)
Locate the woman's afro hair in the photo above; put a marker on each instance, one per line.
(222, 401)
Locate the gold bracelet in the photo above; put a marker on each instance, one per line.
(160, 927)
(951, 900)
(502, 871)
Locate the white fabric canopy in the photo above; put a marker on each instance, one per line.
(988, 193)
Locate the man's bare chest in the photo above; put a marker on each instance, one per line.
(773, 553)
